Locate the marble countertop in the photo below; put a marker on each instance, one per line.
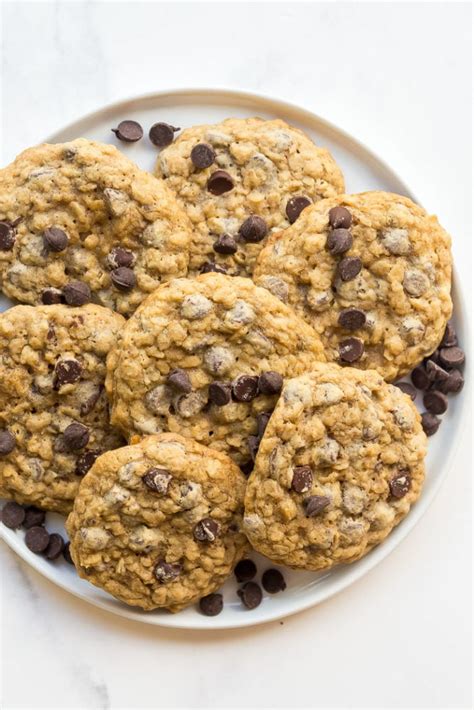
(396, 76)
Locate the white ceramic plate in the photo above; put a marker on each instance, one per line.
(363, 171)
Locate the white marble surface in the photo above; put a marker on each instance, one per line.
(396, 75)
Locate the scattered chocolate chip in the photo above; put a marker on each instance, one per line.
(66, 372)
(270, 382)
(245, 388)
(52, 295)
(211, 266)
(436, 373)
(206, 530)
(262, 420)
(273, 581)
(349, 267)
(128, 131)
(253, 442)
(225, 244)
(295, 206)
(219, 182)
(245, 570)
(67, 553)
(247, 468)
(118, 256)
(162, 134)
(220, 393)
(434, 357)
(76, 436)
(452, 357)
(55, 239)
(351, 349)
(55, 547)
(157, 480)
(430, 423)
(179, 380)
(33, 517)
(166, 571)
(13, 515)
(302, 479)
(435, 402)
(315, 505)
(449, 339)
(202, 156)
(7, 236)
(420, 378)
(85, 462)
(340, 217)
(453, 384)
(211, 605)
(250, 594)
(7, 442)
(37, 539)
(407, 388)
(351, 318)
(123, 278)
(400, 484)
(76, 293)
(254, 229)
(339, 241)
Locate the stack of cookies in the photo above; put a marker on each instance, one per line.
(203, 361)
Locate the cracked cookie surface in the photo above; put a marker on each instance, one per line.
(158, 524)
(204, 357)
(340, 464)
(371, 273)
(82, 211)
(226, 173)
(54, 418)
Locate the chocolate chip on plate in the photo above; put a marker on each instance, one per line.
(351, 349)
(253, 442)
(302, 479)
(245, 570)
(219, 182)
(37, 539)
(7, 442)
(225, 244)
(449, 339)
(340, 217)
(166, 571)
(67, 553)
(206, 530)
(430, 423)
(339, 241)
(128, 131)
(452, 357)
(420, 378)
(179, 380)
(245, 388)
(250, 594)
(220, 393)
(7, 236)
(157, 480)
(162, 134)
(123, 278)
(295, 206)
(453, 384)
(85, 462)
(253, 229)
(211, 605)
(76, 436)
(351, 318)
(118, 256)
(202, 156)
(407, 388)
(349, 267)
(52, 295)
(435, 372)
(435, 402)
(315, 505)
(76, 293)
(270, 382)
(66, 372)
(33, 517)
(13, 515)
(55, 546)
(55, 239)
(211, 266)
(400, 483)
(273, 581)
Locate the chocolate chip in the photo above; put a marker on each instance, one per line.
(302, 479)
(13, 515)
(273, 581)
(245, 388)
(351, 349)
(247, 468)
(55, 239)
(295, 206)
(123, 278)
(33, 517)
(420, 378)
(349, 267)
(219, 182)
(435, 402)
(315, 505)
(202, 156)
(128, 131)
(339, 241)
(434, 357)
(66, 372)
(162, 134)
(7, 236)
(449, 338)
(400, 484)
(436, 373)
(179, 380)
(211, 605)
(452, 357)
(430, 423)
(52, 295)
(76, 436)
(37, 539)
(76, 293)
(211, 266)
(250, 594)
(118, 257)
(220, 393)
(245, 570)
(55, 547)
(225, 244)
(67, 553)
(453, 384)
(157, 480)
(206, 530)
(88, 405)
(270, 382)
(85, 462)
(407, 388)
(7, 442)
(262, 420)
(167, 572)
(253, 442)
(351, 318)
(254, 229)
(340, 217)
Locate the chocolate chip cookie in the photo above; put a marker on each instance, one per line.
(340, 464)
(241, 179)
(54, 418)
(371, 273)
(158, 524)
(206, 357)
(81, 222)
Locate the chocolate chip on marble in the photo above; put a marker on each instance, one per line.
(351, 349)
(250, 594)
(270, 382)
(157, 480)
(211, 605)
(118, 257)
(295, 206)
(449, 339)
(7, 236)
(430, 423)
(245, 570)
(123, 278)
(407, 388)
(52, 295)
(162, 134)
(13, 515)
(37, 539)
(211, 267)
(452, 357)
(55, 546)
(453, 384)
(76, 293)
(202, 156)
(245, 388)
(273, 581)
(253, 442)
(7, 442)
(76, 436)
(66, 372)
(225, 244)
(351, 318)
(420, 378)
(220, 393)
(435, 402)
(400, 483)
(179, 380)
(302, 479)
(349, 267)
(220, 182)
(166, 572)
(339, 241)
(55, 239)
(262, 420)
(85, 462)
(128, 131)
(206, 530)
(33, 517)
(67, 553)
(340, 217)
(314, 505)
(253, 229)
